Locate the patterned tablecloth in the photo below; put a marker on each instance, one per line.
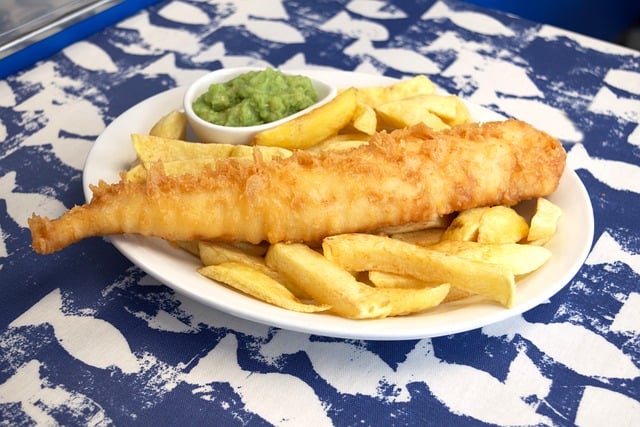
(87, 338)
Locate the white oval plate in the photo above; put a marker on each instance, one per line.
(113, 153)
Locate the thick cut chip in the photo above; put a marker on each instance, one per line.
(449, 108)
(407, 112)
(175, 168)
(496, 224)
(326, 282)
(408, 301)
(543, 222)
(365, 119)
(313, 127)
(259, 285)
(425, 237)
(440, 222)
(367, 252)
(465, 226)
(519, 258)
(456, 294)
(380, 279)
(172, 126)
(376, 95)
(151, 149)
(137, 173)
(266, 153)
(191, 246)
(258, 250)
(181, 157)
(214, 253)
(341, 141)
(501, 224)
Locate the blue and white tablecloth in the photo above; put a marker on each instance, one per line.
(87, 338)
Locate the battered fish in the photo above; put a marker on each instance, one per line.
(405, 176)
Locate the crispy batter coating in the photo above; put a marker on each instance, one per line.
(400, 177)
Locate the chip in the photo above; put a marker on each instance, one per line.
(414, 300)
(341, 142)
(313, 127)
(381, 279)
(172, 126)
(152, 149)
(424, 237)
(367, 252)
(449, 108)
(215, 253)
(544, 222)
(519, 258)
(326, 282)
(259, 285)
(376, 95)
(440, 222)
(502, 224)
(408, 112)
(364, 119)
(496, 224)
(465, 225)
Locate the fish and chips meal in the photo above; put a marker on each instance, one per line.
(385, 201)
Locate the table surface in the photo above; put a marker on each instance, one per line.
(87, 338)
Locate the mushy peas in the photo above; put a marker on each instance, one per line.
(255, 98)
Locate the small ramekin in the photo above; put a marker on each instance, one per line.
(212, 133)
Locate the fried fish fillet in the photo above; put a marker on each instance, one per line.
(409, 175)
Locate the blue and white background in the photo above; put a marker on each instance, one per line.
(86, 338)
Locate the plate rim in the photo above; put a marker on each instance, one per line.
(143, 251)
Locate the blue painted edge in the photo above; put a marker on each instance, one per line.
(43, 48)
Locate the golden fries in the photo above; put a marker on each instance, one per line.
(181, 157)
(367, 252)
(384, 280)
(518, 258)
(398, 271)
(172, 126)
(259, 285)
(449, 108)
(543, 222)
(313, 127)
(497, 224)
(326, 282)
(152, 149)
(364, 119)
(341, 142)
(408, 112)
(376, 95)
(500, 224)
(413, 300)
(215, 253)
(174, 168)
(424, 237)
(465, 226)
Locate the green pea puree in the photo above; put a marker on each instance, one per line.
(255, 98)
